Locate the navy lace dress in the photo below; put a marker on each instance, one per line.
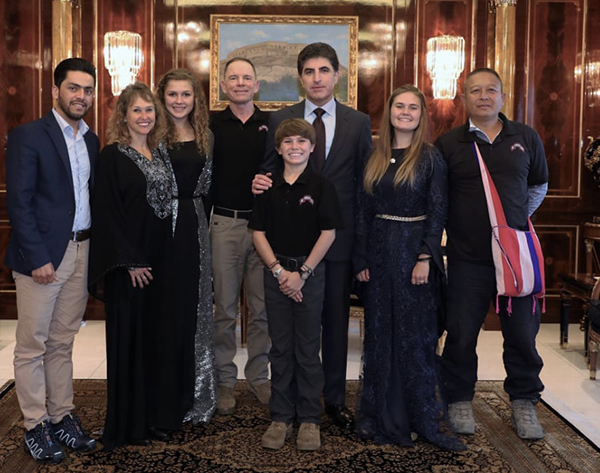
(400, 390)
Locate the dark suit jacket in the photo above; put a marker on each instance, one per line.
(40, 197)
(343, 168)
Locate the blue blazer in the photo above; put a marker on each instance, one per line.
(40, 197)
(343, 167)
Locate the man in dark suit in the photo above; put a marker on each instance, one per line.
(347, 141)
(49, 167)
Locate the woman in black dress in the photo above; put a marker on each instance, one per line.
(130, 262)
(189, 142)
(400, 218)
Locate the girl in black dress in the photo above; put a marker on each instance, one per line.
(189, 142)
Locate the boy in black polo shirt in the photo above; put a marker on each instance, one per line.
(293, 226)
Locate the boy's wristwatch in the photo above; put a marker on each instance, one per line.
(277, 272)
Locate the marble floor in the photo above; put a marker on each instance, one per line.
(569, 391)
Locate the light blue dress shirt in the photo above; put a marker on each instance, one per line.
(80, 170)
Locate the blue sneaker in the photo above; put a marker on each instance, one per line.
(70, 433)
(42, 445)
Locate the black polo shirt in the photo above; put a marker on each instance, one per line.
(238, 151)
(516, 160)
(294, 215)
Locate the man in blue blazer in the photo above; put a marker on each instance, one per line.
(49, 168)
(347, 143)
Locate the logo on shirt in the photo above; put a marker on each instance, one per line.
(307, 198)
(263, 128)
(517, 146)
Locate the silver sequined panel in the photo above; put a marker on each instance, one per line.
(158, 178)
(205, 384)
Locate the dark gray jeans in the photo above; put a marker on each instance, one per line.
(295, 331)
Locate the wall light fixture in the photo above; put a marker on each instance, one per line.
(445, 62)
(123, 58)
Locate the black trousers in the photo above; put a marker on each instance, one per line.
(295, 329)
(471, 288)
(334, 321)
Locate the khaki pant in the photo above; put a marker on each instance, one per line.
(234, 259)
(49, 318)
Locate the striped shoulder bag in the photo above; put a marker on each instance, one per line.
(517, 254)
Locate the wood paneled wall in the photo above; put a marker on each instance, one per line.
(551, 39)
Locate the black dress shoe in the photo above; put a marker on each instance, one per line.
(341, 416)
(159, 434)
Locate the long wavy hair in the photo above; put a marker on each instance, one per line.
(198, 117)
(379, 160)
(117, 130)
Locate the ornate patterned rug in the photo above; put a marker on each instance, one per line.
(231, 444)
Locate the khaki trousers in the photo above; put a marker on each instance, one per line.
(49, 317)
(234, 260)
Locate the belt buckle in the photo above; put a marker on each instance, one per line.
(293, 264)
(244, 214)
(78, 236)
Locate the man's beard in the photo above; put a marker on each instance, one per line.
(73, 116)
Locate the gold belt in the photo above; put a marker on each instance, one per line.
(418, 218)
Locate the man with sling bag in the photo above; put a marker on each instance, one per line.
(515, 157)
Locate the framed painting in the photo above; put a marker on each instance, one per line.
(272, 43)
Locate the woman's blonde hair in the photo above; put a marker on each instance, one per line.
(117, 130)
(380, 159)
(198, 117)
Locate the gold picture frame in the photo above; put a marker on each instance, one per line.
(272, 43)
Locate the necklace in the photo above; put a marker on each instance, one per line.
(398, 152)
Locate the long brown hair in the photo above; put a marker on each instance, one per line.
(117, 130)
(379, 161)
(198, 117)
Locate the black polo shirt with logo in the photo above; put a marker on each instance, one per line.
(515, 160)
(238, 151)
(293, 215)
